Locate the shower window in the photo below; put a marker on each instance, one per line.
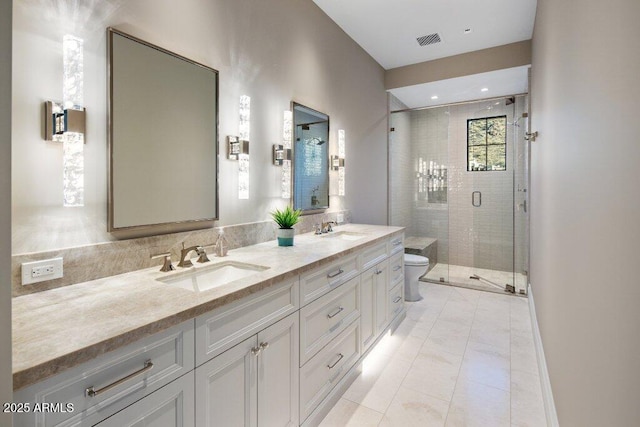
(487, 144)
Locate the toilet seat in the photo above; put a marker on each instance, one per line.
(415, 260)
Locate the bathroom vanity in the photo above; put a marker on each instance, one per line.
(276, 343)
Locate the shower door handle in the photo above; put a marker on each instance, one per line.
(477, 203)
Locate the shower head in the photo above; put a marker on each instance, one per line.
(510, 100)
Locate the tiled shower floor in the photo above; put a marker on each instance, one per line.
(460, 275)
(461, 358)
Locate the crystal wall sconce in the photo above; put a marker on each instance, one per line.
(60, 121)
(280, 154)
(236, 147)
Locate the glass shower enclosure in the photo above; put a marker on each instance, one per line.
(458, 183)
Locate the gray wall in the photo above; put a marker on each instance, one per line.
(585, 209)
(5, 208)
(275, 52)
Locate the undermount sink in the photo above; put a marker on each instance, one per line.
(210, 277)
(343, 235)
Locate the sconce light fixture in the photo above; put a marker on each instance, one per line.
(337, 162)
(236, 147)
(287, 135)
(65, 122)
(242, 147)
(280, 154)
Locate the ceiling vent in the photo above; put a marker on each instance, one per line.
(430, 39)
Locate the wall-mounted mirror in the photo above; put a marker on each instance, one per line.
(310, 159)
(163, 136)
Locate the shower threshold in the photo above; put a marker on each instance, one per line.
(477, 278)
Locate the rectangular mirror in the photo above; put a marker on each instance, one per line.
(163, 136)
(310, 159)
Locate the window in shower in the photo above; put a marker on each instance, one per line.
(487, 144)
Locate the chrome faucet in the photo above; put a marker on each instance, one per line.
(327, 226)
(184, 252)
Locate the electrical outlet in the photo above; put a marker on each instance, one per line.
(40, 271)
(340, 218)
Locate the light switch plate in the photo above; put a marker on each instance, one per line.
(41, 271)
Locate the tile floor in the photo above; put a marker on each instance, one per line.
(462, 357)
(460, 275)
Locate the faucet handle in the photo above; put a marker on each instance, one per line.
(166, 265)
(202, 254)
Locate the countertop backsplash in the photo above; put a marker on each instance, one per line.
(90, 262)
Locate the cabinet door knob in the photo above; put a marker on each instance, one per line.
(264, 345)
(256, 351)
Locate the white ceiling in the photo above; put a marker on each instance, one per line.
(511, 81)
(388, 29)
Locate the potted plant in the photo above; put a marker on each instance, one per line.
(286, 219)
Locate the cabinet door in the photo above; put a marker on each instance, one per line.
(381, 274)
(226, 389)
(278, 373)
(170, 406)
(368, 307)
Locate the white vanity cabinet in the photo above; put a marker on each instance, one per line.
(280, 356)
(171, 406)
(254, 383)
(103, 386)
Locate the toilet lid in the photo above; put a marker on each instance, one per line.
(411, 259)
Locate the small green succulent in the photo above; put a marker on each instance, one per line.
(287, 217)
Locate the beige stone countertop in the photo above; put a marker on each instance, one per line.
(57, 329)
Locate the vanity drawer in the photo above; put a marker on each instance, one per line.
(396, 300)
(396, 244)
(327, 316)
(321, 280)
(396, 269)
(99, 388)
(226, 326)
(326, 369)
(373, 255)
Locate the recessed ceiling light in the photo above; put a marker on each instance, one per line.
(467, 30)
(484, 89)
(434, 97)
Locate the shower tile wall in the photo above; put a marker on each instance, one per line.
(480, 237)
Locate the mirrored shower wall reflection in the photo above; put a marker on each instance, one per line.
(458, 183)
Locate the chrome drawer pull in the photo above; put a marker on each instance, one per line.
(337, 273)
(397, 300)
(331, 316)
(397, 242)
(90, 392)
(340, 356)
(397, 267)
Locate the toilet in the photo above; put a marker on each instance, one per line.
(414, 267)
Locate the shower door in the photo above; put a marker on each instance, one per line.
(490, 224)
